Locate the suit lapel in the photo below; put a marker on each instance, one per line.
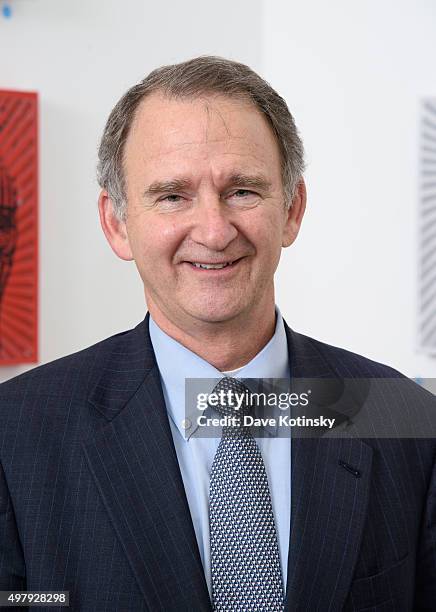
(134, 464)
(328, 502)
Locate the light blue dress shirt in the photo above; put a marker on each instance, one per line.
(195, 454)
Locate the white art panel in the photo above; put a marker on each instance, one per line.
(427, 229)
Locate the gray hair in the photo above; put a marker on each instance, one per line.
(190, 79)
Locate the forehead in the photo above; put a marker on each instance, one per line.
(212, 126)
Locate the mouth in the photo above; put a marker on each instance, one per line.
(213, 267)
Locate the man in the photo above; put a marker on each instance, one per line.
(107, 493)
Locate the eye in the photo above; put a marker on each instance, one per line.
(242, 193)
(243, 198)
(172, 202)
(171, 197)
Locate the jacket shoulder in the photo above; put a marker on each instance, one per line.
(77, 372)
(343, 362)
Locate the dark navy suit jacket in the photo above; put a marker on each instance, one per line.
(92, 500)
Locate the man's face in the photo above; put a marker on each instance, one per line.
(203, 183)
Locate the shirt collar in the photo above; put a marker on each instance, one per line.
(176, 363)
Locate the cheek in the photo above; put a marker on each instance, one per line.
(267, 236)
(154, 239)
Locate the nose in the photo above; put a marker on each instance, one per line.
(212, 226)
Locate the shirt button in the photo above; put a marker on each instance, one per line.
(186, 423)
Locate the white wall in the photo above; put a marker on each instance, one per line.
(81, 56)
(352, 74)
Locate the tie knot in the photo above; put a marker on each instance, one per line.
(233, 398)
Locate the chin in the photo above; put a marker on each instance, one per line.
(215, 313)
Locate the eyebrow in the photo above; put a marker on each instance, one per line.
(256, 181)
(158, 187)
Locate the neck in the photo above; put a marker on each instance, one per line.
(227, 345)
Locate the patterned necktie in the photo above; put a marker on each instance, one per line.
(246, 571)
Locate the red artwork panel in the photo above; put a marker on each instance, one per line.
(18, 227)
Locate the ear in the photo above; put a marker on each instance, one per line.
(114, 229)
(295, 215)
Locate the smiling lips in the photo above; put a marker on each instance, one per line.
(213, 266)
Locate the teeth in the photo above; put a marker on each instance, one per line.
(211, 266)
